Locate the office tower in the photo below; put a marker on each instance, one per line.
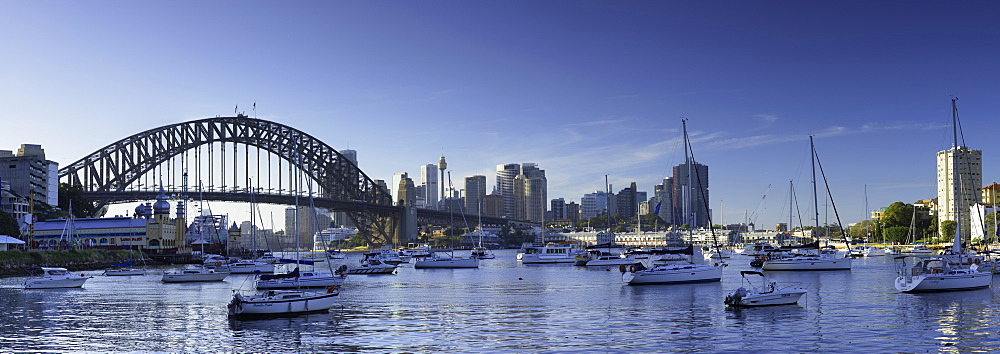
(530, 193)
(558, 207)
(340, 218)
(573, 212)
(594, 204)
(690, 196)
(493, 205)
(30, 171)
(505, 185)
(475, 193)
(428, 179)
(626, 202)
(394, 187)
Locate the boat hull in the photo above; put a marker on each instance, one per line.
(281, 303)
(447, 263)
(372, 270)
(192, 278)
(674, 274)
(322, 281)
(124, 272)
(611, 262)
(75, 282)
(943, 282)
(808, 264)
(775, 298)
(242, 268)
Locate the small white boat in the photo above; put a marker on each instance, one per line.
(297, 279)
(866, 251)
(281, 303)
(765, 294)
(53, 278)
(482, 253)
(918, 249)
(372, 266)
(548, 253)
(672, 273)
(336, 254)
(603, 259)
(824, 261)
(194, 275)
(935, 274)
(440, 261)
(251, 267)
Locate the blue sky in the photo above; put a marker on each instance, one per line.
(583, 88)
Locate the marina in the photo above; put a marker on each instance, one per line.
(505, 305)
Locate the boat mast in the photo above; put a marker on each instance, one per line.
(812, 149)
(956, 246)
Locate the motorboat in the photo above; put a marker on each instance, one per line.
(389, 256)
(302, 279)
(598, 258)
(822, 261)
(202, 274)
(918, 249)
(372, 266)
(671, 273)
(336, 254)
(437, 260)
(866, 251)
(251, 267)
(548, 253)
(281, 302)
(759, 249)
(766, 293)
(935, 274)
(53, 278)
(482, 253)
(415, 252)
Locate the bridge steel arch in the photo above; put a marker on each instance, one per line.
(106, 173)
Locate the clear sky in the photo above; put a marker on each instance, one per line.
(583, 88)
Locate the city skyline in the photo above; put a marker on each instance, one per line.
(582, 89)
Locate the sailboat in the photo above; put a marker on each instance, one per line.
(599, 258)
(866, 250)
(677, 273)
(480, 251)
(446, 258)
(823, 260)
(201, 274)
(944, 273)
(267, 302)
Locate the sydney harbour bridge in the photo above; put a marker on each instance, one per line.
(242, 159)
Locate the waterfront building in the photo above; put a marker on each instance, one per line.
(964, 166)
(475, 193)
(991, 194)
(530, 193)
(429, 183)
(930, 204)
(493, 205)
(505, 184)
(14, 204)
(28, 171)
(330, 237)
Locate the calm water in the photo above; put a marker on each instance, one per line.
(505, 306)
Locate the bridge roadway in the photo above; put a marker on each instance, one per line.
(424, 216)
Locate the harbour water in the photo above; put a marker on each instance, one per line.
(506, 307)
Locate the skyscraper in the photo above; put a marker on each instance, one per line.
(30, 171)
(690, 196)
(428, 179)
(966, 165)
(394, 187)
(505, 185)
(475, 193)
(530, 193)
(558, 208)
(340, 218)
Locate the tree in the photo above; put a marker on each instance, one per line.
(82, 207)
(896, 233)
(863, 230)
(8, 225)
(897, 214)
(947, 228)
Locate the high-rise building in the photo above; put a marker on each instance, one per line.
(690, 195)
(493, 205)
(405, 192)
(340, 218)
(30, 171)
(394, 187)
(505, 185)
(428, 180)
(594, 204)
(530, 193)
(573, 211)
(558, 207)
(963, 166)
(627, 202)
(310, 220)
(475, 193)
(663, 193)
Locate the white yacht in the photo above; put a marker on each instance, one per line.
(251, 267)
(437, 260)
(918, 249)
(194, 275)
(672, 273)
(598, 258)
(301, 279)
(53, 278)
(549, 253)
(372, 266)
(866, 251)
(822, 261)
(934, 274)
(764, 294)
(281, 302)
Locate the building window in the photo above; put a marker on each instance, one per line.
(104, 241)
